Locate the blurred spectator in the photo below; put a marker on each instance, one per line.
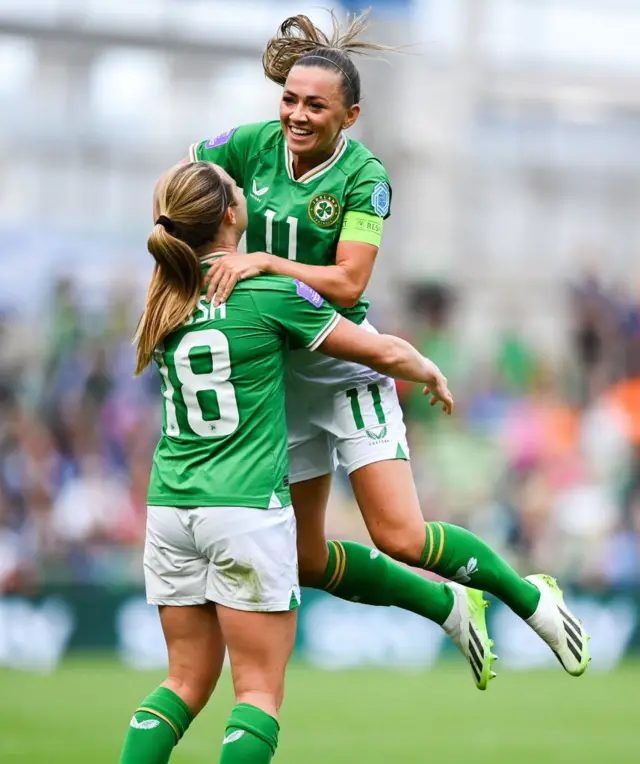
(544, 464)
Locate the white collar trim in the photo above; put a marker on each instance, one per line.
(321, 169)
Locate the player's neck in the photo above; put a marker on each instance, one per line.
(303, 165)
(219, 249)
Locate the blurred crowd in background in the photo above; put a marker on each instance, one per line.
(542, 461)
(511, 259)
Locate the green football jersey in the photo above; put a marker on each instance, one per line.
(299, 219)
(224, 435)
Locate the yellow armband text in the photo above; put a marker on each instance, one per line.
(362, 226)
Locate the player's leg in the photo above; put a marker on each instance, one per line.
(260, 645)
(385, 492)
(310, 475)
(310, 498)
(175, 577)
(253, 579)
(353, 571)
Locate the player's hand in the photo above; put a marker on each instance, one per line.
(226, 271)
(437, 387)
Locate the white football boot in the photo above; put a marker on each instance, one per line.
(467, 627)
(560, 629)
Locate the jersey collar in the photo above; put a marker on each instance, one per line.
(208, 259)
(321, 169)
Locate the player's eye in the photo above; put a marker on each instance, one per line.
(287, 99)
(318, 106)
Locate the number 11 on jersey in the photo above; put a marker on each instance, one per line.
(293, 234)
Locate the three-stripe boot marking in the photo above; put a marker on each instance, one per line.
(560, 629)
(574, 643)
(476, 653)
(467, 627)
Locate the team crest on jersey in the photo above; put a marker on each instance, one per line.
(324, 210)
(220, 140)
(381, 199)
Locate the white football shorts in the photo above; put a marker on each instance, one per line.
(240, 557)
(350, 424)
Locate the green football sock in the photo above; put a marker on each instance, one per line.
(455, 553)
(251, 736)
(360, 574)
(156, 727)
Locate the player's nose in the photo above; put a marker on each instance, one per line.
(298, 115)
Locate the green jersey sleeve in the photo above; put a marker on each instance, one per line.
(295, 309)
(231, 150)
(370, 191)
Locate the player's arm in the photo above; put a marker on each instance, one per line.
(367, 205)
(297, 310)
(388, 355)
(343, 283)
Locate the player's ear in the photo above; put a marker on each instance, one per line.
(353, 112)
(230, 216)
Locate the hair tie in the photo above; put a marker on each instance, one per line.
(166, 223)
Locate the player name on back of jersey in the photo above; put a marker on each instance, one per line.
(205, 311)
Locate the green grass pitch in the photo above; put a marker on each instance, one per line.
(79, 715)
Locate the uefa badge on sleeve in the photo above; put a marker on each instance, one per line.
(381, 199)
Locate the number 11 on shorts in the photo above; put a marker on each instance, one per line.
(356, 410)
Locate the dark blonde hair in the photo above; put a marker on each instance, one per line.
(191, 201)
(300, 43)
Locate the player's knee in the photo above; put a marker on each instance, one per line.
(312, 563)
(401, 546)
(195, 691)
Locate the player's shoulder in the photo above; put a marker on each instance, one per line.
(266, 287)
(252, 137)
(361, 162)
(261, 135)
(267, 283)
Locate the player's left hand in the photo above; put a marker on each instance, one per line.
(226, 271)
(438, 388)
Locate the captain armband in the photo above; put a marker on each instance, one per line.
(363, 227)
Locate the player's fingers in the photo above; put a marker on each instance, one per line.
(214, 275)
(226, 287)
(219, 297)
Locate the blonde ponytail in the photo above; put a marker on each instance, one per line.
(192, 202)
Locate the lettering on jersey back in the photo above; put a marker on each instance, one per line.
(205, 311)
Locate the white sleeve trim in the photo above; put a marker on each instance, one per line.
(322, 336)
(193, 152)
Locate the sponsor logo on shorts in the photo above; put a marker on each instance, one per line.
(309, 293)
(220, 140)
(377, 434)
(381, 199)
(324, 210)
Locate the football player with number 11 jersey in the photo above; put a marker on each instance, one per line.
(317, 205)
